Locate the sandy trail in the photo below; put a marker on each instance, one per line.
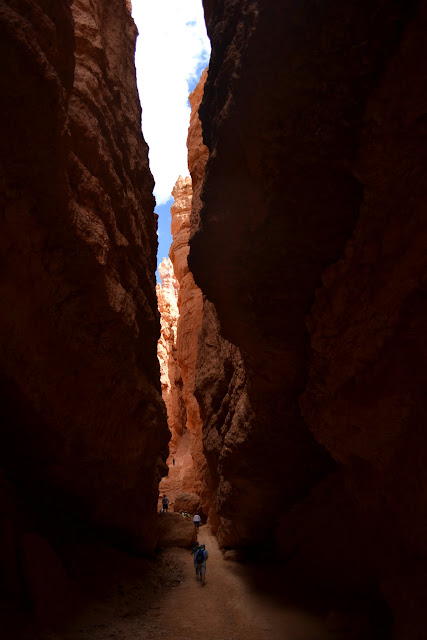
(131, 598)
(227, 608)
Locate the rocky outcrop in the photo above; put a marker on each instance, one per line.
(175, 531)
(308, 242)
(170, 371)
(188, 502)
(84, 435)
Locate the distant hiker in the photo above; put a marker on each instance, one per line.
(173, 461)
(165, 502)
(196, 521)
(201, 557)
(194, 551)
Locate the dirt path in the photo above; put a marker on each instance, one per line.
(226, 608)
(160, 599)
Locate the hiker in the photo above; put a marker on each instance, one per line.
(201, 557)
(196, 521)
(194, 551)
(165, 502)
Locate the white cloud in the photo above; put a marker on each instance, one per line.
(171, 45)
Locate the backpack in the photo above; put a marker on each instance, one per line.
(200, 556)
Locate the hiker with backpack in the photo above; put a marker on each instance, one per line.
(201, 556)
(194, 551)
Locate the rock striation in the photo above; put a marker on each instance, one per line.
(84, 433)
(307, 241)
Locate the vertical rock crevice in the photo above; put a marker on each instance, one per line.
(183, 409)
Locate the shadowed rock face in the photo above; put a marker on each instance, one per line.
(308, 242)
(84, 434)
(248, 433)
(220, 389)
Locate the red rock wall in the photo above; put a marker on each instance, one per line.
(190, 304)
(220, 378)
(190, 474)
(365, 397)
(170, 371)
(309, 244)
(246, 440)
(84, 435)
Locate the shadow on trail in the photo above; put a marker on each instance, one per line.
(348, 615)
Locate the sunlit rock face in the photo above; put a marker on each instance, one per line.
(190, 304)
(84, 434)
(170, 371)
(309, 245)
(198, 152)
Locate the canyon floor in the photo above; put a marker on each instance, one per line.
(121, 597)
(160, 599)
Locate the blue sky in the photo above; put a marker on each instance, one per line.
(172, 51)
(163, 210)
(164, 231)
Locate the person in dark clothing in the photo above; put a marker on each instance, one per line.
(165, 502)
(201, 556)
(194, 551)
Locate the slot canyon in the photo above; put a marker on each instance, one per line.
(274, 382)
